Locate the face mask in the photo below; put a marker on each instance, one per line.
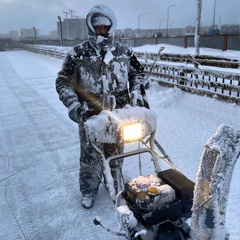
(101, 38)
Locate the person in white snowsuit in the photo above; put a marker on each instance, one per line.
(93, 71)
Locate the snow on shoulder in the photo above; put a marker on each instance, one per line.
(107, 126)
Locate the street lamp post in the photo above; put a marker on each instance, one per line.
(168, 17)
(214, 11)
(139, 15)
(35, 35)
(60, 24)
(171, 26)
(160, 23)
(197, 30)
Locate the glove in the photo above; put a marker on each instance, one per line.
(136, 98)
(139, 98)
(133, 98)
(75, 112)
(87, 114)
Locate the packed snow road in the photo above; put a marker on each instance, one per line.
(39, 151)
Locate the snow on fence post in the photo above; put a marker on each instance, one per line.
(212, 185)
(197, 30)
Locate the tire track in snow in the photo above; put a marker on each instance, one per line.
(15, 194)
(58, 214)
(20, 207)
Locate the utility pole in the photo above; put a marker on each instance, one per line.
(214, 11)
(139, 15)
(35, 35)
(168, 17)
(160, 21)
(197, 30)
(61, 37)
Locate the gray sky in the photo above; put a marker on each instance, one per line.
(42, 14)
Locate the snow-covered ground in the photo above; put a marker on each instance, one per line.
(39, 151)
(232, 54)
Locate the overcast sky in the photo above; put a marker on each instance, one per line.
(42, 14)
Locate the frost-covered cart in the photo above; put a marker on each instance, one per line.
(157, 206)
(124, 125)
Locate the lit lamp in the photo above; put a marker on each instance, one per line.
(132, 132)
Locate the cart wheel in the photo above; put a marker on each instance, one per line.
(168, 231)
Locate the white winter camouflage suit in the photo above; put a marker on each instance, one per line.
(92, 72)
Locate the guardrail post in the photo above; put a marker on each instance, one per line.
(156, 39)
(225, 42)
(185, 41)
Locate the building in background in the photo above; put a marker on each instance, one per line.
(73, 28)
(230, 29)
(13, 35)
(54, 34)
(28, 33)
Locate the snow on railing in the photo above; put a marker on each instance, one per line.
(221, 85)
(187, 58)
(53, 51)
(212, 83)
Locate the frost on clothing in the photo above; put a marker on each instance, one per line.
(95, 74)
(85, 76)
(98, 41)
(100, 67)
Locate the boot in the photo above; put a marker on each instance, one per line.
(87, 200)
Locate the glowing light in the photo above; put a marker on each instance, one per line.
(132, 132)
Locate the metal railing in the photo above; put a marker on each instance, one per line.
(221, 85)
(187, 58)
(224, 86)
(223, 42)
